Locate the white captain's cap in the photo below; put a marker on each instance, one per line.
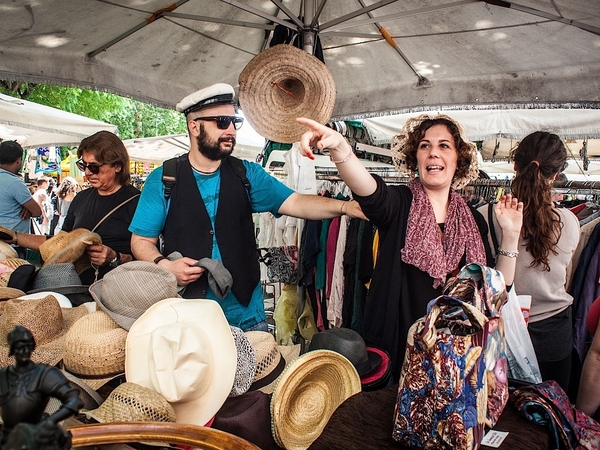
(217, 94)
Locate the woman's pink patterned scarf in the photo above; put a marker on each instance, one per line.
(423, 247)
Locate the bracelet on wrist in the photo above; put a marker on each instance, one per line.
(507, 253)
(159, 259)
(342, 160)
(17, 238)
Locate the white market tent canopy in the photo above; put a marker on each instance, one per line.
(481, 125)
(35, 125)
(385, 56)
(155, 150)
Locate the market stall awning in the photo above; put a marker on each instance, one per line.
(35, 125)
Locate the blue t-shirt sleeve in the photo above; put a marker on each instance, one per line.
(267, 193)
(20, 192)
(151, 212)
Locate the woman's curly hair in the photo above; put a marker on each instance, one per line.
(405, 145)
(538, 157)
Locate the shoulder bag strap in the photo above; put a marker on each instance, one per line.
(113, 210)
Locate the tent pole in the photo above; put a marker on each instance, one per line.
(308, 34)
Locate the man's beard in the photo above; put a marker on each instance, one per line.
(212, 149)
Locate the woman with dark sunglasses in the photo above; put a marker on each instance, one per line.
(104, 161)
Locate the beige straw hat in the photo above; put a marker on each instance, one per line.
(307, 393)
(8, 266)
(69, 247)
(8, 250)
(283, 83)
(184, 350)
(95, 349)
(8, 293)
(130, 402)
(46, 320)
(271, 359)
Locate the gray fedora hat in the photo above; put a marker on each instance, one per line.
(350, 344)
(61, 278)
(126, 292)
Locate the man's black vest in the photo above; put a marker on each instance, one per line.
(188, 229)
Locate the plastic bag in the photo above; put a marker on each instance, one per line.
(285, 315)
(522, 361)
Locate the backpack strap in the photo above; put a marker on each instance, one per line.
(240, 170)
(170, 170)
(169, 175)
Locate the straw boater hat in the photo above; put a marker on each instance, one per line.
(46, 320)
(271, 359)
(69, 246)
(307, 393)
(283, 83)
(184, 350)
(94, 349)
(127, 291)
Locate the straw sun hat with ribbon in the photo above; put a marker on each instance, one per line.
(307, 393)
(283, 83)
(48, 323)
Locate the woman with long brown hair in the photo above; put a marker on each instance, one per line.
(548, 239)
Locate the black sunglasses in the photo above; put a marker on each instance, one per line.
(92, 167)
(223, 122)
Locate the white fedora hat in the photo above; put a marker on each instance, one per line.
(184, 350)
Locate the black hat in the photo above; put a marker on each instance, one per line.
(350, 344)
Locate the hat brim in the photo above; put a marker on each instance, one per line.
(280, 84)
(10, 293)
(90, 398)
(95, 291)
(50, 352)
(64, 290)
(307, 393)
(206, 315)
(289, 353)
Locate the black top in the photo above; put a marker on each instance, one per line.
(399, 292)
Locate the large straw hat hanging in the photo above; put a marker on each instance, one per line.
(283, 83)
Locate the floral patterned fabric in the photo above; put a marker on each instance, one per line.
(547, 404)
(442, 392)
(484, 288)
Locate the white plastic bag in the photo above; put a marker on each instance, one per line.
(522, 361)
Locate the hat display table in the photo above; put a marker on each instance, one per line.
(365, 421)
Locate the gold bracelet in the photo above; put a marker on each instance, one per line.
(507, 253)
(342, 160)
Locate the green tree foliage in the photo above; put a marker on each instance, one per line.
(133, 119)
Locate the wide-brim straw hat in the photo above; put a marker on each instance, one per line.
(94, 349)
(307, 393)
(127, 291)
(271, 359)
(7, 234)
(69, 247)
(283, 83)
(184, 350)
(9, 293)
(48, 323)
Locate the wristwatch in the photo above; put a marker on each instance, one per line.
(115, 262)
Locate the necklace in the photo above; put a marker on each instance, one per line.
(206, 173)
